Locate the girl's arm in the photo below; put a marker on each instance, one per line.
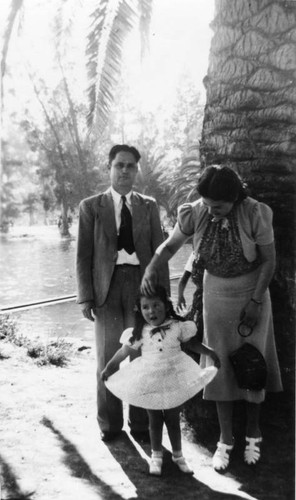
(196, 346)
(113, 365)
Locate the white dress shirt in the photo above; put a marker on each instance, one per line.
(123, 256)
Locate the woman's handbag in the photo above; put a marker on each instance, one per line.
(249, 365)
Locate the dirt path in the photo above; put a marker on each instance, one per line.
(50, 447)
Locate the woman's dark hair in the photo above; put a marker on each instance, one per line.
(221, 184)
(161, 294)
(127, 149)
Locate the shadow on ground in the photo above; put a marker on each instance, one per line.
(173, 484)
(273, 478)
(78, 467)
(11, 487)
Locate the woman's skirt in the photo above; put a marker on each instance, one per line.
(223, 302)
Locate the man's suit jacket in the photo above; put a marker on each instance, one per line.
(97, 243)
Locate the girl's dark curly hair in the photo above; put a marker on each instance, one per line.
(161, 294)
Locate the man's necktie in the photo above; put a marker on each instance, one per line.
(125, 237)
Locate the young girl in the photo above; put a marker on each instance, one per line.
(164, 377)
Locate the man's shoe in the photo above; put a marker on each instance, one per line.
(141, 436)
(109, 436)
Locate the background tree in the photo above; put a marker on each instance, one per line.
(67, 155)
(19, 165)
(48, 200)
(30, 203)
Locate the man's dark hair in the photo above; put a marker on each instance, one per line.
(127, 149)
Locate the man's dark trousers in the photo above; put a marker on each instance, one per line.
(116, 314)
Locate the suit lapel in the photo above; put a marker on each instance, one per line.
(139, 215)
(107, 214)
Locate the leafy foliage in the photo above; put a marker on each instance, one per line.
(67, 168)
(184, 181)
(111, 21)
(15, 8)
(55, 352)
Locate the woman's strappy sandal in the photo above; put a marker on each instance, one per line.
(221, 456)
(252, 450)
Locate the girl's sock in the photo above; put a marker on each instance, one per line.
(155, 467)
(180, 461)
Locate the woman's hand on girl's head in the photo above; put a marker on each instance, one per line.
(149, 281)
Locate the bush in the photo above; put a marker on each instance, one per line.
(7, 327)
(52, 353)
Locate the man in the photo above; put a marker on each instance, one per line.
(119, 231)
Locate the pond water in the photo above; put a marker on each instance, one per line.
(37, 264)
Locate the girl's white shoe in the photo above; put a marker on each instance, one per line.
(252, 451)
(182, 464)
(155, 467)
(221, 456)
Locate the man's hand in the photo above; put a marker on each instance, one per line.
(87, 309)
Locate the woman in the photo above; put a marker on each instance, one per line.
(233, 236)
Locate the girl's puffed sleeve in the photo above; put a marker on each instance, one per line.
(185, 219)
(125, 339)
(262, 224)
(187, 330)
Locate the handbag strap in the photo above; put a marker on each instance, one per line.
(249, 329)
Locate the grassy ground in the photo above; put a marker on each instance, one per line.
(50, 447)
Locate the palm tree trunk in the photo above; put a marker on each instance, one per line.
(250, 124)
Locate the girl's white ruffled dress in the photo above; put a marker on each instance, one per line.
(163, 376)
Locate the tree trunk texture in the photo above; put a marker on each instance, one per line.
(250, 125)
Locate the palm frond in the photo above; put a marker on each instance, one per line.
(145, 11)
(184, 180)
(112, 21)
(63, 22)
(15, 8)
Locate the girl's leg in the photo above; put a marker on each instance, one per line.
(156, 420)
(172, 422)
(225, 412)
(253, 415)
